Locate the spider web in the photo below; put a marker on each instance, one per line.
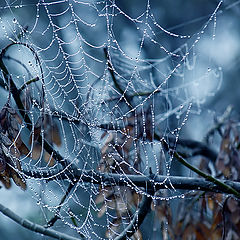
(97, 102)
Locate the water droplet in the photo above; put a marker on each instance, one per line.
(14, 20)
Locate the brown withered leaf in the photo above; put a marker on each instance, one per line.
(36, 151)
(178, 226)
(188, 232)
(10, 163)
(217, 220)
(202, 231)
(22, 148)
(113, 229)
(226, 142)
(9, 173)
(137, 235)
(216, 234)
(210, 203)
(2, 164)
(235, 217)
(55, 135)
(232, 205)
(102, 210)
(105, 193)
(5, 179)
(49, 159)
(18, 179)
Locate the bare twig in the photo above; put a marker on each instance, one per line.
(219, 123)
(197, 147)
(52, 221)
(140, 215)
(33, 226)
(27, 83)
(111, 70)
(159, 181)
(199, 172)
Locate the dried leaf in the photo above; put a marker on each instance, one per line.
(217, 234)
(113, 229)
(188, 232)
(102, 210)
(49, 159)
(5, 180)
(19, 181)
(217, 219)
(202, 231)
(55, 135)
(2, 164)
(103, 195)
(137, 235)
(36, 151)
(232, 204)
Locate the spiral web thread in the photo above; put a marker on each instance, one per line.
(93, 94)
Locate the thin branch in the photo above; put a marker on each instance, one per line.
(33, 226)
(27, 83)
(219, 123)
(111, 70)
(109, 179)
(198, 147)
(137, 220)
(140, 215)
(199, 172)
(3, 84)
(52, 221)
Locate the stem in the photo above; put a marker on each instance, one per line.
(52, 221)
(199, 172)
(33, 226)
(140, 215)
(111, 70)
(159, 181)
(27, 83)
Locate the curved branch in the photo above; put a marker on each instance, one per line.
(139, 216)
(33, 226)
(137, 220)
